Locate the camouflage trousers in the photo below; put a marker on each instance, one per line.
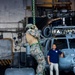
(38, 55)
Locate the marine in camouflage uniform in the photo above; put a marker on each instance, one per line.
(36, 51)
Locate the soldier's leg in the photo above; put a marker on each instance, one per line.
(38, 55)
(41, 63)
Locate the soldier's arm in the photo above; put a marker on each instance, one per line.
(34, 33)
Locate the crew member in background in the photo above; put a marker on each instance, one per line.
(32, 37)
(53, 59)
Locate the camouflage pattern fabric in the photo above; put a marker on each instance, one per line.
(36, 51)
(38, 55)
(34, 32)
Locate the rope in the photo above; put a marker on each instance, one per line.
(33, 11)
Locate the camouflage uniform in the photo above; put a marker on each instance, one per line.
(36, 52)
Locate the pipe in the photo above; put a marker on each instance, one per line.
(46, 47)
